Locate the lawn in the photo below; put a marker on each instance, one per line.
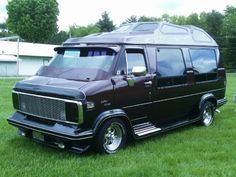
(190, 151)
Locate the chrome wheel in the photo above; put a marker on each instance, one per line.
(207, 114)
(113, 137)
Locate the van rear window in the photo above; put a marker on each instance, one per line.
(170, 67)
(203, 60)
(170, 62)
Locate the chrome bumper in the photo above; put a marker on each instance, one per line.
(59, 130)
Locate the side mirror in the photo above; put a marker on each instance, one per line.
(139, 71)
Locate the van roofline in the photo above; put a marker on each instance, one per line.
(161, 33)
(116, 48)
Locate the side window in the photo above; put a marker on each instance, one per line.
(122, 66)
(170, 68)
(135, 57)
(203, 60)
(170, 62)
(204, 64)
(131, 58)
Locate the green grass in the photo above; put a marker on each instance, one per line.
(192, 151)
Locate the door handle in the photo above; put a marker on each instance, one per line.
(148, 83)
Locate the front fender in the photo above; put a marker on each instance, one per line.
(108, 115)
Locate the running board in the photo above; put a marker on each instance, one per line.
(145, 129)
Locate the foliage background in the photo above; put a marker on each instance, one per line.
(36, 21)
(33, 20)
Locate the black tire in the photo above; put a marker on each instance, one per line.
(207, 114)
(111, 136)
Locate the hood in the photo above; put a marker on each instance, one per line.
(53, 87)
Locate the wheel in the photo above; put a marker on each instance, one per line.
(207, 114)
(111, 136)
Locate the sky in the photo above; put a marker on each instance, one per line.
(85, 12)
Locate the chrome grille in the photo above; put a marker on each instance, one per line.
(44, 107)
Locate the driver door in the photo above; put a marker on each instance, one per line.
(133, 88)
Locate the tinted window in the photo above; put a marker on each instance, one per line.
(131, 58)
(203, 60)
(80, 64)
(135, 58)
(170, 62)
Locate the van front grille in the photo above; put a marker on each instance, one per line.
(55, 109)
(42, 107)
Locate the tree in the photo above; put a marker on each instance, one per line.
(178, 20)
(229, 33)
(105, 23)
(165, 18)
(131, 19)
(193, 19)
(203, 23)
(4, 32)
(214, 21)
(58, 38)
(229, 22)
(3, 27)
(33, 20)
(148, 19)
(80, 31)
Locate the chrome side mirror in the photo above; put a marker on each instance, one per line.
(139, 71)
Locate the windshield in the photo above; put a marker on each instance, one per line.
(80, 64)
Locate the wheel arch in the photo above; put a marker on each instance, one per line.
(110, 114)
(207, 97)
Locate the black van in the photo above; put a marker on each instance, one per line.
(139, 80)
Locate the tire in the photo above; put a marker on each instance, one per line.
(207, 114)
(111, 136)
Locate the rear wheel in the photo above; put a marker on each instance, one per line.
(111, 137)
(207, 114)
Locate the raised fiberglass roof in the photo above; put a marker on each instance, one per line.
(149, 33)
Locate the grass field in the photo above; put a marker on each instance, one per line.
(192, 151)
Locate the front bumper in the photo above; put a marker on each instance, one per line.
(60, 135)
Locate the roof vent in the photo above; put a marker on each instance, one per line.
(146, 27)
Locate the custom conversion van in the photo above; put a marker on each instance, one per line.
(139, 80)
